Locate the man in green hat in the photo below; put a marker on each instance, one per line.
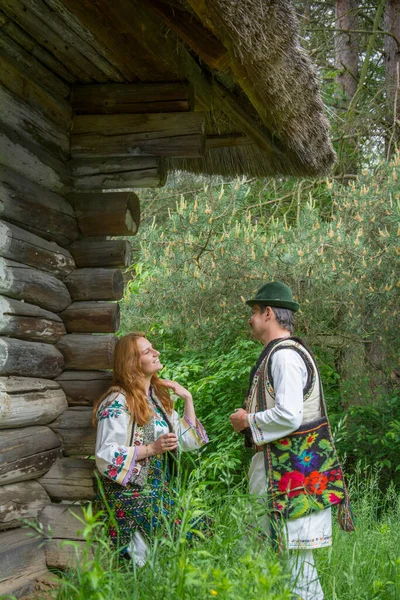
(286, 378)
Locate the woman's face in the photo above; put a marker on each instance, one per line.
(149, 362)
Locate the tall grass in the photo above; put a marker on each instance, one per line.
(235, 563)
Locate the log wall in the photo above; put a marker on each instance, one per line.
(59, 287)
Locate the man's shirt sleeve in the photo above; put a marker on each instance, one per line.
(289, 376)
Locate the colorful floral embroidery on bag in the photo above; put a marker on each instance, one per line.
(305, 473)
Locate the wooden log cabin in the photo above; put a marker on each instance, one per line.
(98, 96)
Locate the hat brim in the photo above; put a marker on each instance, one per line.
(293, 306)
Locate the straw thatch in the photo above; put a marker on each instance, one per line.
(270, 69)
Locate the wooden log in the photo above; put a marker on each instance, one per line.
(32, 163)
(29, 359)
(70, 479)
(111, 213)
(22, 560)
(164, 134)
(24, 283)
(116, 28)
(59, 111)
(44, 25)
(27, 453)
(64, 557)
(104, 253)
(32, 125)
(21, 246)
(21, 501)
(121, 72)
(31, 45)
(29, 322)
(28, 64)
(82, 388)
(87, 352)
(94, 174)
(95, 284)
(61, 522)
(136, 98)
(75, 431)
(91, 317)
(190, 30)
(25, 401)
(36, 209)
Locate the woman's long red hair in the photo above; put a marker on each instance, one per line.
(129, 379)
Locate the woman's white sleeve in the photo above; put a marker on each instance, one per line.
(191, 436)
(289, 376)
(115, 457)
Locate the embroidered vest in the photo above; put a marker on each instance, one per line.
(311, 391)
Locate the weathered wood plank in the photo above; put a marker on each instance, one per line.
(105, 253)
(28, 43)
(91, 317)
(70, 479)
(95, 284)
(21, 501)
(35, 208)
(110, 213)
(27, 62)
(32, 125)
(50, 31)
(116, 26)
(22, 560)
(192, 31)
(62, 557)
(25, 401)
(87, 352)
(75, 431)
(60, 522)
(58, 110)
(29, 322)
(164, 134)
(76, 24)
(94, 174)
(21, 246)
(27, 453)
(26, 359)
(31, 163)
(136, 98)
(82, 388)
(31, 285)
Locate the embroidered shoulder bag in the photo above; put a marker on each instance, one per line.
(304, 473)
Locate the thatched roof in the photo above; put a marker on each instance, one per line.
(243, 58)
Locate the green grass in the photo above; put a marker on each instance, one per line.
(235, 564)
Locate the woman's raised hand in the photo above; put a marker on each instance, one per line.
(165, 443)
(177, 388)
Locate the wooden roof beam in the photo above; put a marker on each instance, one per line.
(192, 31)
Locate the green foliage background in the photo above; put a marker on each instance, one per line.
(336, 246)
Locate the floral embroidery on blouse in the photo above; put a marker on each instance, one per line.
(159, 418)
(118, 462)
(110, 410)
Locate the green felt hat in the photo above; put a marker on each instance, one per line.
(276, 294)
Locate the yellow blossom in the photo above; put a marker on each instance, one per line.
(331, 233)
(213, 593)
(300, 253)
(388, 288)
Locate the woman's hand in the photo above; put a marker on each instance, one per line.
(165, 443)
(177, 388)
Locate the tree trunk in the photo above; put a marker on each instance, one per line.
(392, 68)
(346, 63)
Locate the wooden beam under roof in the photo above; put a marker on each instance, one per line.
(192, 31)
(118, 27)
(116, 98)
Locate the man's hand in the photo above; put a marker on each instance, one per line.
(239, 419)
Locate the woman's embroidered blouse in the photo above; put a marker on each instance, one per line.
(118, 439)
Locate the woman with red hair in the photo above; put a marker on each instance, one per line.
(138, 436)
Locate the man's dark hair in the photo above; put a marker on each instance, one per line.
(284, 316)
